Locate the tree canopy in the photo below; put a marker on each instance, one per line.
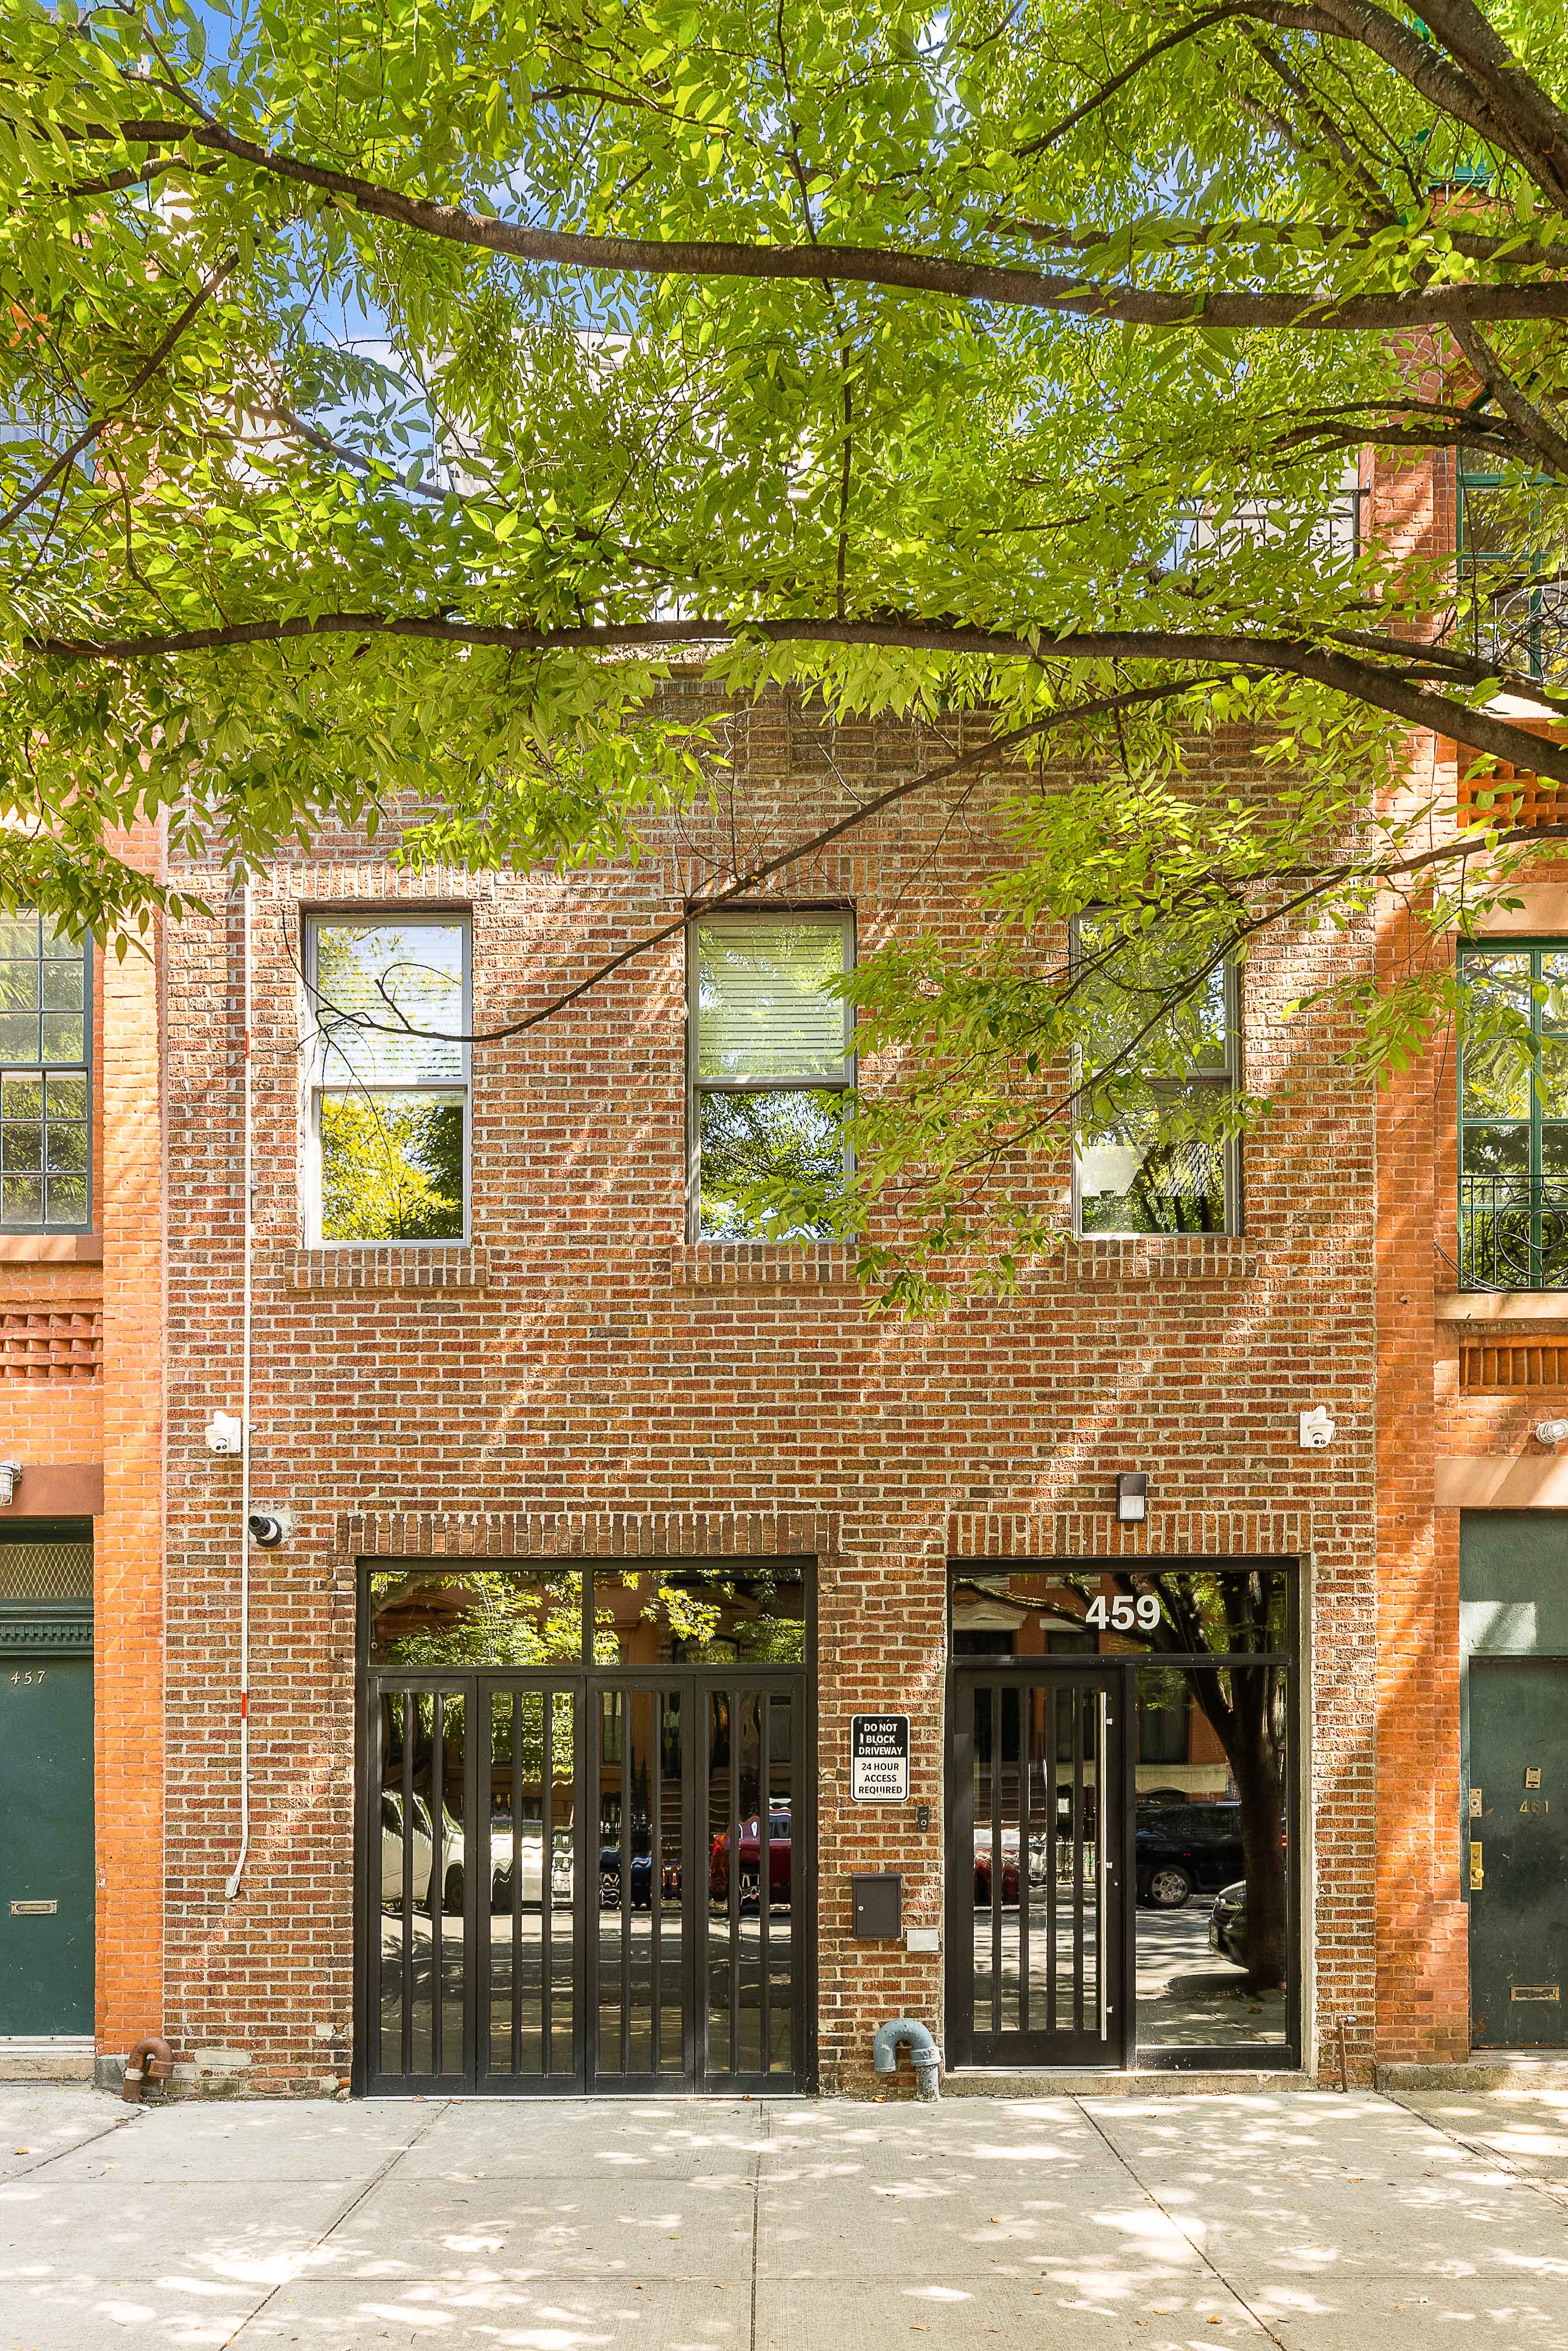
(394, 393)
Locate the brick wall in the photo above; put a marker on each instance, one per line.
(128, 1599)
(589, 1371)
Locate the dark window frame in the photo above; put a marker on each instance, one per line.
(43, 1070)
(1233, 1225)
(697, 1086)
(1532, 1177)
(345, 914)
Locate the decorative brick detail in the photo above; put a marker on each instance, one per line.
(1163, 1257)
(1164, 1535)
(415, 1267)
(1542, 1365)
(1511, 800)
(588, 1534)
(51, 1346)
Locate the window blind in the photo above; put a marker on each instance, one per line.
(764, 1009)
(388, 972)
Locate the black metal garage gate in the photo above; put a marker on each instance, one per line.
(581, 1881)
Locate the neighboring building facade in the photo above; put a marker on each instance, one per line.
(625, 1570)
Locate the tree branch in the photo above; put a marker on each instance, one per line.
(1537, 431)
(1382, 687)
(895, 268)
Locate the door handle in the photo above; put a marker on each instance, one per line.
(1101, 1936)
(1478, 1869)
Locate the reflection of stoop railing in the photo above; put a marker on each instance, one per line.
(1513, 1232)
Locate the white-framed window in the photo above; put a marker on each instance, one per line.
(46, 1076)
(387, 1121)
(1151, 1152)
(770, 1045)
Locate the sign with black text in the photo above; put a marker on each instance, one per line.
(879, 1758)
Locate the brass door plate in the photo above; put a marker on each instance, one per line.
(1478, 1869)
(1535, 1991)
(1475, 1804)
(1532, 1775)
(34, 1909)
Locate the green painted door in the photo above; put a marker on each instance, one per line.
(1518, 1828)
(45, 1841)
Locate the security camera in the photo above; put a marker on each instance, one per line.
(266, 1529)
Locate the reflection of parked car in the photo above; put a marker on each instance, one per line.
(392, 1853)
(1227, 1923)
(642, 1875)
(748, 1850)
(1010, 1865)
(1183, 1849)
(423, 1835)
(527, 1849)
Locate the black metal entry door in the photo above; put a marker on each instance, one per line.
(1517, 1831)
(1037, 1882)
(576, 1882)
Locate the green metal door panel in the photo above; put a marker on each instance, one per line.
(1518, 1826)
(46, 1845)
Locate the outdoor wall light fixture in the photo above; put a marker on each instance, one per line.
(1132, 1496)
(1547, 1432)
(9, 1473)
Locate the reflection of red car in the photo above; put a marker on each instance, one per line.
(750, 1860)
(982, 1866)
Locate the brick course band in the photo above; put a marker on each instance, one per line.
(419, 1267)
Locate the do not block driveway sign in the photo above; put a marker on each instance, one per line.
(879, 1758)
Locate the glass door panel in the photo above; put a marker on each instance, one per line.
(1035, 1882)
(419, 1885)
(527, 1917)
(751, 1971)
(639, 1929)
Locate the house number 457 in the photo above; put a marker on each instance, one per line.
(27, 1673)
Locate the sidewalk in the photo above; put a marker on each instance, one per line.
(1346, 2223)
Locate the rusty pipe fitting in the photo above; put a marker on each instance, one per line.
(151, 2060)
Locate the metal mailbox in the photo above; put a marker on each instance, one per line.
(878, 1907)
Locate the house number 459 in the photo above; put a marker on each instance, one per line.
(1123, 1614)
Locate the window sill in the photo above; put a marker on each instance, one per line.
(1160, 1257)
(389, 1265)
(1502, 1306)
(51, 1249)
(763, 1265)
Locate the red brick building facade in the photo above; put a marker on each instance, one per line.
(576, 1381)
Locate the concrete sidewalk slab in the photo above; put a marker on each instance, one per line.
(1309, 2221)
(78, 2229)
(510, 2228)
(39, 2122)
(559, 2314)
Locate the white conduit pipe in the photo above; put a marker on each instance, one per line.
(238, 1871)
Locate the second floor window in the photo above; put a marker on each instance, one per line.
(769, 1059)
(46, 1089)
(1513, 1117)
(1153, 1153)
(389, 1124)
